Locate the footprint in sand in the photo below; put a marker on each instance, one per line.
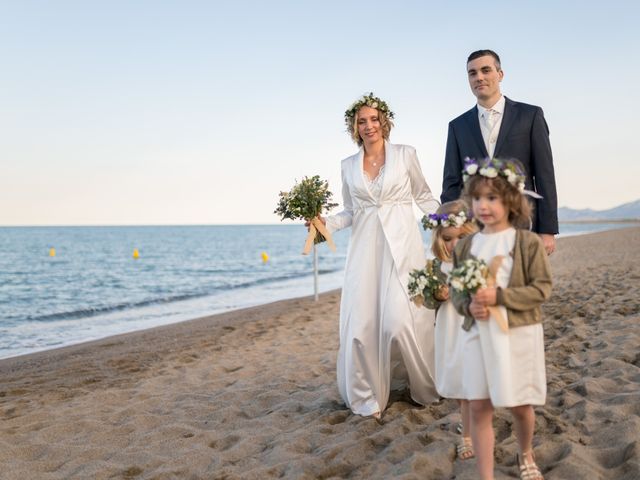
(337, 417)
(225, 443)
(233, 369)
(131, 472)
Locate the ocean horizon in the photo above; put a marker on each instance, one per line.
(63, 285)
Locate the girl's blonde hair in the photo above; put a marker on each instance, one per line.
(514, 201)
(438, 246)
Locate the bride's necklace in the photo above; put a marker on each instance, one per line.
(375, 163)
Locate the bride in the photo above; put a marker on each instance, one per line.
(386, 342)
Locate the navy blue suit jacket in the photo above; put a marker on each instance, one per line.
(524, 135)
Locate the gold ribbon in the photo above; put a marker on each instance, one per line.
(491, 282)
(315, 226)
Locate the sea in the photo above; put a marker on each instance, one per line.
(65, 285)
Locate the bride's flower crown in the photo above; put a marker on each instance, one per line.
(434, 220)
(492, 167)
(368, 100)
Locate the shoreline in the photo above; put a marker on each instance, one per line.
(199, 324)
(171, 318)
(252, 394)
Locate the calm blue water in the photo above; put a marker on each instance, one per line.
(94, 288)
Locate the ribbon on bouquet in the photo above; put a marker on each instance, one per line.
(491, 282)
(315, 226)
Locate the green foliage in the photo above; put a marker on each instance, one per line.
(306, 200)
(424, 284)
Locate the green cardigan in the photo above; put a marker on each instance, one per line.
(529, 284)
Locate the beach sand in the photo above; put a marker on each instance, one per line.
(251, 394)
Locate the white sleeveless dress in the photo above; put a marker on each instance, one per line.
(449, 347)
(508, 368)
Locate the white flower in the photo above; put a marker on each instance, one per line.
(488, 172)
(521, 186)
(374, 105)
(471, 169)
(457, 285)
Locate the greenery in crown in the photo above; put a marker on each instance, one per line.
(369, 100)
(510, 169)
(435, 220)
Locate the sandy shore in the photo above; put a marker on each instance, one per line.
(251, 394)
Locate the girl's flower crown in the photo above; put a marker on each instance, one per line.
(434, 220)
(370, 101)
(492, 167)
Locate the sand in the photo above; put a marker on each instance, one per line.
(251, 394)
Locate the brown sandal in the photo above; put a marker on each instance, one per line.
(464, 449)
(528, 471)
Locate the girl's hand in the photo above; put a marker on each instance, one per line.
(486, 296)
(478, 310)
(442, 294)
(319, 217)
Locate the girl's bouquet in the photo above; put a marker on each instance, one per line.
(306, 201)
(426, 286)
(473, 275)
(470, 276)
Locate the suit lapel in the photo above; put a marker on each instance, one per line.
(473, 124)
(511, 112)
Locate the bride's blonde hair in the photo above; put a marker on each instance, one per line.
(385, 115)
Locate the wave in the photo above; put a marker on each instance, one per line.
(101, 310)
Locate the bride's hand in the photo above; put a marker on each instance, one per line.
(319, 217)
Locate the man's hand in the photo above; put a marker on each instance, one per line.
(549, 242)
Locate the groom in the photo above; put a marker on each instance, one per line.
(501, 128)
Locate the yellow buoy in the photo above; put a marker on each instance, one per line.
(52, 252)
(265, 257)
(136, 253)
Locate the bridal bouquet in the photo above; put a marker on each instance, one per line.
(305, 201)
(426, 285)
(475, 274)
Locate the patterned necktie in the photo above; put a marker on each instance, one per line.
(490, 119)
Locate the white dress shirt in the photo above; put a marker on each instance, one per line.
(490, 120)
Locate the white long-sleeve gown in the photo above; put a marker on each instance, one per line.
(386, 342)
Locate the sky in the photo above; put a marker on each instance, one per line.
(193, 112)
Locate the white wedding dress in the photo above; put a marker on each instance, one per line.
(386, 341)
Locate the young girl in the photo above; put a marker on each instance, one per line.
(503, 368)
(450, 223)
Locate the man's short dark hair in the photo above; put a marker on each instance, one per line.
(484, 53)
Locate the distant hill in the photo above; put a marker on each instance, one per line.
(627, 211)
